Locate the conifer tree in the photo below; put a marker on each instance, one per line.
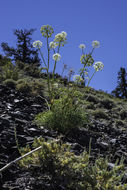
(121, 89)
(24, 51)
(24, 55)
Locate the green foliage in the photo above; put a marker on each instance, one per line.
(3, 60)
(9, 71)
(59, 165)
(30, 85)
(65, 113)
(32, 70)
(24, 51)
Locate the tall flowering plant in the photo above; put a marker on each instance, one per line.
(87, 61)
(65, 112)
(54, 46)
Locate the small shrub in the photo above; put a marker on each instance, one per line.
(64, 115)
(56, 163)
(60, 118)
(9, 71)
(34, 87)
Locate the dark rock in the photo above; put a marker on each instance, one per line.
(104, 145)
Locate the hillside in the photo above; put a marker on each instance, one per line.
(106, 129)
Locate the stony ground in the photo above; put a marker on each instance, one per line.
(17, 111)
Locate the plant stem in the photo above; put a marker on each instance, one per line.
(54, 69)
(16, 139)
(91, 79)
(48, 79)
(48, 52)
(56, 61)
(42, 58)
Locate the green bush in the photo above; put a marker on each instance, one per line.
(64, 114)
(56, 163)
(9, 71)
(3, 60)
(30, 85)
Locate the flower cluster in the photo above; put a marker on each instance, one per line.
(61, 38)
(77, 79)
(98, 66)
(37, 44)
(96, 44)
(87, 59)
(56, 56)
(82, 46)
(52, 45)
(47, 31)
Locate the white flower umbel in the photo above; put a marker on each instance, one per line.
(96, 44)
(64, 34)
(52, 45)
(82, 46)
(98, 66)
(56, 56)
(60, 37)
(77, 79)
(37, 44)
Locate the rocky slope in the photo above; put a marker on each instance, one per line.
(107, 129)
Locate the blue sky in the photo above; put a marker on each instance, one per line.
(84, 21)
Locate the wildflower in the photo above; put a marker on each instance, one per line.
(82, 46)
(98, 66)
(61, 38)
(52, 45)
(96, 44)
(78, 79)
(47, 31)
(56, 56)
(37, 44)
(87, 59)
(64, 34)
